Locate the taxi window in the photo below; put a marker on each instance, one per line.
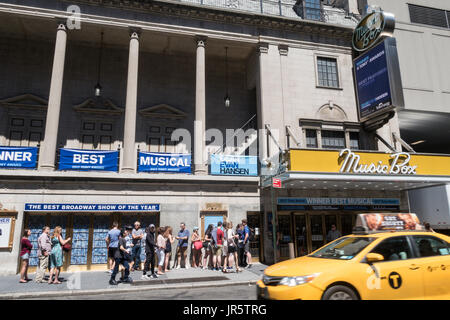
(345, 248)
(395, 248)
(431, 246)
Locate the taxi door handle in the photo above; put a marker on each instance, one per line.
(414, 267)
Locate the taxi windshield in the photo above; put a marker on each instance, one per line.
(345, 248)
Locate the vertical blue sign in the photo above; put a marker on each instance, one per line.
(372, 81)
(18, 157)
(86, 160)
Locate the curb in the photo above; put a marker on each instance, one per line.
(25, 295)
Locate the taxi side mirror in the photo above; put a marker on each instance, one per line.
(374, 257)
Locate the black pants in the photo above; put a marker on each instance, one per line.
(242, 257)
(123, 262)
(149, 260)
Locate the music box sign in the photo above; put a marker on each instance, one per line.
(372, 28)
(347, 161)
(399, 164)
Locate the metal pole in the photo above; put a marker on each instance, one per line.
(274, 227)
(261, 3)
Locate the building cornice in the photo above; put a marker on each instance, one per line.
(222, 15)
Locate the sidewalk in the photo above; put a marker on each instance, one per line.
(96, 282)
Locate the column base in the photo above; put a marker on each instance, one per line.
(201, 170)
(128, 170)
(46, 167)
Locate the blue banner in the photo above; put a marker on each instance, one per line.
(164, 162)
(372, 81)
(229, 165)
(91, 207)
(18, 157)
(86, 160)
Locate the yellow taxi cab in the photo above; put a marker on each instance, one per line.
(377, 262)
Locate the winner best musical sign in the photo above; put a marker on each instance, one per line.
(347, 161)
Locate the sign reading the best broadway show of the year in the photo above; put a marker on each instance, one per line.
(86, 160)
(164, 162)
(47, 207)
(372, 81)
(229, 165)
(18, 157)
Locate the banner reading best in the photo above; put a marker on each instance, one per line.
(86, 160)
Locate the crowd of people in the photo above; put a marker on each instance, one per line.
(222, 248)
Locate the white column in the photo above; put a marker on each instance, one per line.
(200, 109)
(129, 136)
(48, 147)
(262, 52)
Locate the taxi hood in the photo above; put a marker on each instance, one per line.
(304, 266)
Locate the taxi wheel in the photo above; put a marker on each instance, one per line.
(339, 293)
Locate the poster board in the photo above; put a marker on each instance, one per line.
(7, 223)
(373, 222)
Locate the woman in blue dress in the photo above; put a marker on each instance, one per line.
(56, 255)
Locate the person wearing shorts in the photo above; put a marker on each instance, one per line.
(218, 247)
(25, 250)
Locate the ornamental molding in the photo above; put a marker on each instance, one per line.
(98, 105)
(224, 16)
(163, 111)
(27, 101)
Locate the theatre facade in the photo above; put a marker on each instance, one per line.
(168, 112)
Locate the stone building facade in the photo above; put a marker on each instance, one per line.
(163, 66)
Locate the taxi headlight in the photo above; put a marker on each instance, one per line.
(296, 281)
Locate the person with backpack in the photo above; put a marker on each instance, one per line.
(247, 235)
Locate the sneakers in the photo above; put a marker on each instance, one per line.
(113, 282)
(187, 267)
(127, 280)
(154, 276)
(178, 267)
(145, 277)
(248, 266)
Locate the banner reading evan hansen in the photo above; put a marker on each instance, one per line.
(229, 165)
(164, 162)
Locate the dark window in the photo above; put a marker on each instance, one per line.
(17, 122)
(431, 246)
(89, 126)
(308, 9)
(327, 72)
(429, 16)
(106, 127)
(312, 9)
(155, 129)
(36, 123)
(311, 138)
(354, 140)
(395, 248)
(333, 139)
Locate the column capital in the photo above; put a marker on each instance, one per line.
(201, 41)
(283, 49)
(262, 47)
(135, 33)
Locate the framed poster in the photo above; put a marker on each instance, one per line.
(7, 223)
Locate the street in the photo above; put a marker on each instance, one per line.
(241, 292)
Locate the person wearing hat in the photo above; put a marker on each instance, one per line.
(197, 246)
(150, 248)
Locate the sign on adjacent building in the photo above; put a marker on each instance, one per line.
(59, 207)
(87, 160)
(164, 162)
(378, 81)
(371, 29)
(231, 165)
(18, 157)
